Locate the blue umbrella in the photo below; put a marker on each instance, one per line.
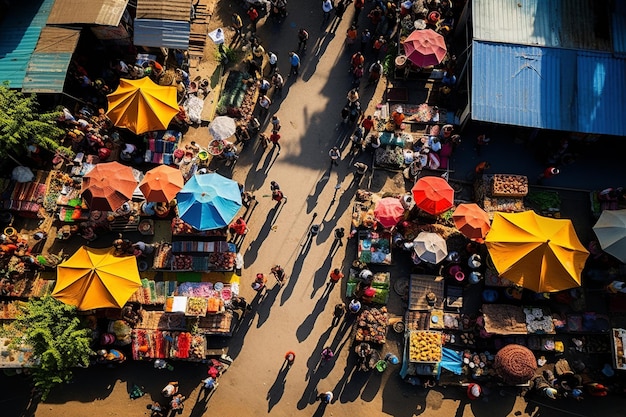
(209, 201)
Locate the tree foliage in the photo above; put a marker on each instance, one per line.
(21, 124)
(59, 340)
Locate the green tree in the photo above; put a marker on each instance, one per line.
(59, 340)
(21, 124)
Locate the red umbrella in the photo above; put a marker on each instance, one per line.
(433, 195)
(388, 211)
(425, 47)
(472, 221)
(108, 185)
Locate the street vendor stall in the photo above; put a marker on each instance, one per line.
(160, 146)
(374, 247)
(618, 348)
(380, 283)
(25, 198)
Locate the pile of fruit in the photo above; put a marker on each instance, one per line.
(505, 185)
(371, 326)
(223, 260)
(183, 262)
(179, 227)
(424, 346)
(196, 306)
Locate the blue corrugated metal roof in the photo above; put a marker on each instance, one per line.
(19, 33)
(548, 88)
(162, 33)
(618, 27)
(46, 72)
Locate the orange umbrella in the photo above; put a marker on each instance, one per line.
(389, 211)
(161, 184)
(472, 221)
(108, 185)
(141, 105)
(433, 195)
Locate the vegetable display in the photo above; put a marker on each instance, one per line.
(424, 346)
(505, 185)
(371, 326)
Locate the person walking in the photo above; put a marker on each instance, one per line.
(366, 37)
(358, 8)
(327, 7)
(327, 354)
(294, 60)
(279, 273)
(336, 275)
(264, 87)
(361, 169)
(340, 232)
(325, 397)
(367, 124)
(236, 24)
(303, 37)
(547, 174)
(177, 403)
(275, 123)
(277, 194)
(273, 61)
(290, 358)
(334, 155)
(278, 82)
(338, 313)
(274, 138)
(254, 17)
(209, 384)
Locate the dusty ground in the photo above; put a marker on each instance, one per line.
(296, 317)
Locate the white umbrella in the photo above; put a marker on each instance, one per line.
(22, 174)
(430, 247)
(222, 127)
(611, 232)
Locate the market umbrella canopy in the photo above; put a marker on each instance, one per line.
(472, 221)
(161, 184)
(389, 211)
(433, 195)
(95, 278)
(515, 364)
(425, 47)
(209, 201)
(611, 231)
(142, 106)
(108, 185)
(535, 252)
(430, 247)
(222, 127)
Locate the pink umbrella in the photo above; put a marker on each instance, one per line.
(389, 211)
(425, 47)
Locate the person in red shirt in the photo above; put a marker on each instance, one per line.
(254, 17)
(336, 275)
(239, 227)
(358, 8)
(368, 124)
(357, 59)
(274, 138)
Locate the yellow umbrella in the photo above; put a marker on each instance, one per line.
(538, 253)
(95, 278)
(142, 106)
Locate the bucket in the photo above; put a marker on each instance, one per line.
(400, 61)
(203, 155)
(459, 276)
(10, 231)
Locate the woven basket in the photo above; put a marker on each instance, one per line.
(515, 364)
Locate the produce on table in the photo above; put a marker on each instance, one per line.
(371, 326)
(425, 346)
(183, 262)
(196, 306)
(223, 260)
(505, 185)
(162, 256)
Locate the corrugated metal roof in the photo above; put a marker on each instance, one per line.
(46, 72)
(576, 24)
(161, 33)
(19, 33)
(164, 10)
(548, 88)
(97, 12)
(618, 27)
(47, 68)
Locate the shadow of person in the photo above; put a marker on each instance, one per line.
(253, 250)
(295, 272)
(304, 330)
(268, 301)
(321, 276)
(276, 391)
(311, 200)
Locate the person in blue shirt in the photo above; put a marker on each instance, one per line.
(294, 59)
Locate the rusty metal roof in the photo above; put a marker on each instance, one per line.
(88, 12)
(179, 10)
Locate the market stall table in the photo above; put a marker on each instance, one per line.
(420, 286)
(374, 247)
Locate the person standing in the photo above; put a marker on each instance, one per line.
(264, 104)
(338, 313)
(275, 123)
(290, 358)
(325, 397)
(254, 17)
(358, 8)
(273, 61)
(361, 169)
(236, 24)
(303, 37)
(340, 232)
(277, 194)
(294, 60)
(366, 37)
(209, 384)
(334, 155)
(278, 82)
(340, 9)
(264, 87)
(274, 138)
(367, 124)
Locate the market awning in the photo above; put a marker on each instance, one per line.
(47, 69)
(99, 12)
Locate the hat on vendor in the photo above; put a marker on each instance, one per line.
(399, 109)
(551, 393)
(474, 391)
